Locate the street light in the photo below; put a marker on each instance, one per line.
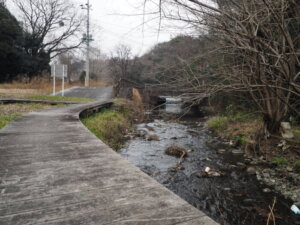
(87, 38)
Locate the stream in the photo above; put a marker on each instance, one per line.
(234, 198)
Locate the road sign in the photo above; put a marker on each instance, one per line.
(59, 70)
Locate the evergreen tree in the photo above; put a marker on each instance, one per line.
(11, 51)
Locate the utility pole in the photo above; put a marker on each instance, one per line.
(88, 38)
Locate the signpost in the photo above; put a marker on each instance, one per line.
(59, 71)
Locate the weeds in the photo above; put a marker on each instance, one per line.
(110, 126)
(237, 126)
(280, 161)
(5, 120)
(218, 123)
(297, 166)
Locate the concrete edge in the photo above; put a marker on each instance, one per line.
(15, 101)
(91, 108)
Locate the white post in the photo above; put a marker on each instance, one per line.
(54, 79)
(87, 72)
(63, 82)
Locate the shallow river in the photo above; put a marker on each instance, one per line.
(235, 198)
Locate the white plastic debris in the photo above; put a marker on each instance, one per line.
(207, 169)
(295, 209)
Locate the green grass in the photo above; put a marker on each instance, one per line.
(10, 112)
(296, 132)
(238, 126)
(5, 120)
(58, 98)
(297, 166)
(110, 126)
(218, 123)
(280, 161)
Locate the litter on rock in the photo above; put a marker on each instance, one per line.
(295, 209)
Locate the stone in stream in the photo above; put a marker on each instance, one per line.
(221, 151)
(237, 152)
(176, 151)
(152, 137)
(266, 190)
(251, 170)
(241, 165)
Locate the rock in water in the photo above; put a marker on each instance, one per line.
(251, 171)
(153, 137)
(221, 151)
(176, 151)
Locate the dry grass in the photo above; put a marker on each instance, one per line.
(37, 86)
(138, 104)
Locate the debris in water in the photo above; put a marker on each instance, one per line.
(153, 137)
(208, 172)
(295, 209)
(176, 151)
(221, 151)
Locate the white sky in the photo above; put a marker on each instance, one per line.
(116, 22)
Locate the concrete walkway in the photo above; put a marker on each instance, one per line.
(54, 171)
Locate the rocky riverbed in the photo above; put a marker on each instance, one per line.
(239, 191)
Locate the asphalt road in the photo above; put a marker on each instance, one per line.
(97, 93)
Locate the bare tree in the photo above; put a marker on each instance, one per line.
(259, 45)
(53, 25)
(119, 63)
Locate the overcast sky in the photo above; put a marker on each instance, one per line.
(116, 22)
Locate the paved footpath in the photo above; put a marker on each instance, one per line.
(54, 171)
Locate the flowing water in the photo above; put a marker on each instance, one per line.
(236, 198)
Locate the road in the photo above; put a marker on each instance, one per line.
(97, 93)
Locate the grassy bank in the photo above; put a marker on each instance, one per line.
(237, 127)
(112, 125)
(241, 127)
(10, 112)
(58, 98)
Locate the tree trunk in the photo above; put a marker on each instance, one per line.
(271, 125)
